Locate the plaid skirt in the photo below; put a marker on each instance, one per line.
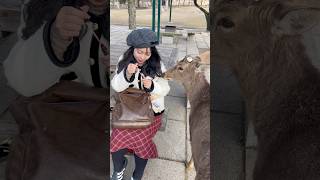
(137, 140)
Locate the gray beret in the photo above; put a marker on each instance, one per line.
(142, 38)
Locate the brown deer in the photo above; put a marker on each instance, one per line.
(188, 72)
(262, 43)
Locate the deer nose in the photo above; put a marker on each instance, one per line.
(166, 76)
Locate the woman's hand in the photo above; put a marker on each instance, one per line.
(147, 82)
(132, 68)
(69, 21)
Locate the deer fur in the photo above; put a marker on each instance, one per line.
(198, 93)
(262, 43)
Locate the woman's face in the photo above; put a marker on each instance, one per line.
(141, 55)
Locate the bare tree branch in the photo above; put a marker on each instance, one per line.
(206, 13)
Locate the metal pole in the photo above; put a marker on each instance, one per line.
(170, 10)
(159, 18)
(153, 15)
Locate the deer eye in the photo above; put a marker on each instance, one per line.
(225, 23)
(180, 68)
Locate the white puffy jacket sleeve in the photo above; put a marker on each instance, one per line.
(28, 68)
(118, 82)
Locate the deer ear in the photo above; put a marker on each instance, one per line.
(295, 20)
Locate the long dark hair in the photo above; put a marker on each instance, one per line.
(36, 12)
(152, 66)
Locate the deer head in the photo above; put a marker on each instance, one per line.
(246, 31)
(184, 70)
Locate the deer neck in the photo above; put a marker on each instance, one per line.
(197, 89)
(267, 82)
(277, 70)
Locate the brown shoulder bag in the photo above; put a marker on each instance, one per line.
(132, 110)
(62, 135)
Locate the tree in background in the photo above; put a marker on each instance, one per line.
(132, 14)
(138, 3)
(206, 13)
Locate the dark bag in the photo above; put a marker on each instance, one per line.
(132, 110)
(62, 135)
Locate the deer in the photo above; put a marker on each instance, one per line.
(189, 71)
(262, 42)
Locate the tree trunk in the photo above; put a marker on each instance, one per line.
(206, 13)
(138, 4)
(132, 14)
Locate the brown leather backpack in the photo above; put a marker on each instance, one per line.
(62, 135)
(132, 110)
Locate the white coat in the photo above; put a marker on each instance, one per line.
(160, 90)
(30, 71)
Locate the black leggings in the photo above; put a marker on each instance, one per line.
(118, 161)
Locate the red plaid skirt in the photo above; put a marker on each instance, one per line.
(137, 140)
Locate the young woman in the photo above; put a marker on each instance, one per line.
(140, 67)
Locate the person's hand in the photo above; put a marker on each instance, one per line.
(70, 20)
(147, 82)
(132, 68)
